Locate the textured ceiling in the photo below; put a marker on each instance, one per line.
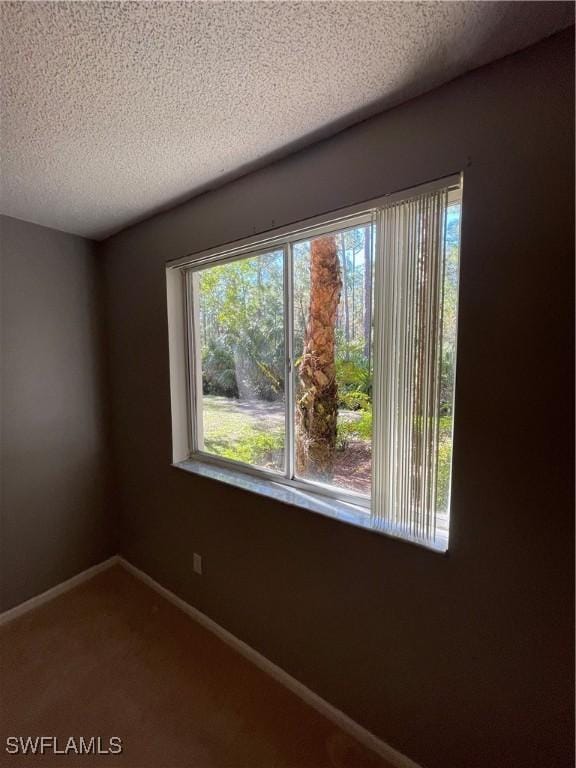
(111, 111)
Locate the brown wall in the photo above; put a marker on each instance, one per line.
(460, 660)
(53, 521)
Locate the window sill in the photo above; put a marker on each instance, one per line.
(313, 502)
(336, 509)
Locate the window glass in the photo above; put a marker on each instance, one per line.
(241, 331)
(333, 284)
(448, 359)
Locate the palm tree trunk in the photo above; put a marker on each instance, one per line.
(317, 406)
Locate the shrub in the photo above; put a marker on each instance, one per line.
(444, 462)
(359, 429)
(218, 371)
(354, 401)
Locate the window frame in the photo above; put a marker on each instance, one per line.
(288, 475)
(184, 350)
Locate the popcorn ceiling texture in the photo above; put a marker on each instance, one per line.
(111, 111)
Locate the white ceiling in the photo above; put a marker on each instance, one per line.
(111, 111)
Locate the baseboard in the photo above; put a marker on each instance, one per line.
(361, 734)
(59, 589)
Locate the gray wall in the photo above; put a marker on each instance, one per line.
(461, 660)
(54, 522)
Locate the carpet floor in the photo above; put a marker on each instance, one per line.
(112, 658)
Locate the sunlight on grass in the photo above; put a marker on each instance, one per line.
(231, 431)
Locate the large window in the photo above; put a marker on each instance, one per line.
(323, 358)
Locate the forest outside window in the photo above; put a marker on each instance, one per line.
(323, 358)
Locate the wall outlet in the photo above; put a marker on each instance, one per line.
(197, 563)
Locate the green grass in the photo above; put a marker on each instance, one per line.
(237, 435)
(259, 449)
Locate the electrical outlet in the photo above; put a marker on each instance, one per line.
(197, 563)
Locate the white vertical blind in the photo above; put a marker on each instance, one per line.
(408, 303)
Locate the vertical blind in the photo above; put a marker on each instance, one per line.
(408, 302)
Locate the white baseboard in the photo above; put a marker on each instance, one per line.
(59, 589)
(361, 734)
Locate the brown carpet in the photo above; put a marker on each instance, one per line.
(113, 658)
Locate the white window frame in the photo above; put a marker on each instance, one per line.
(184, 349)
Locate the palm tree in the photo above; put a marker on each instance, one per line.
(317, 404)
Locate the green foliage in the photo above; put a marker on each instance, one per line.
(250, 447)
(354, 380)
(364, 425)
(354, 400)
(444, 459)
(354, 429)
(443, 475)
(242, 328)
(353, 375)
(218, 371)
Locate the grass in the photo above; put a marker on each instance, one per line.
(254, 432)
(242, 433)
